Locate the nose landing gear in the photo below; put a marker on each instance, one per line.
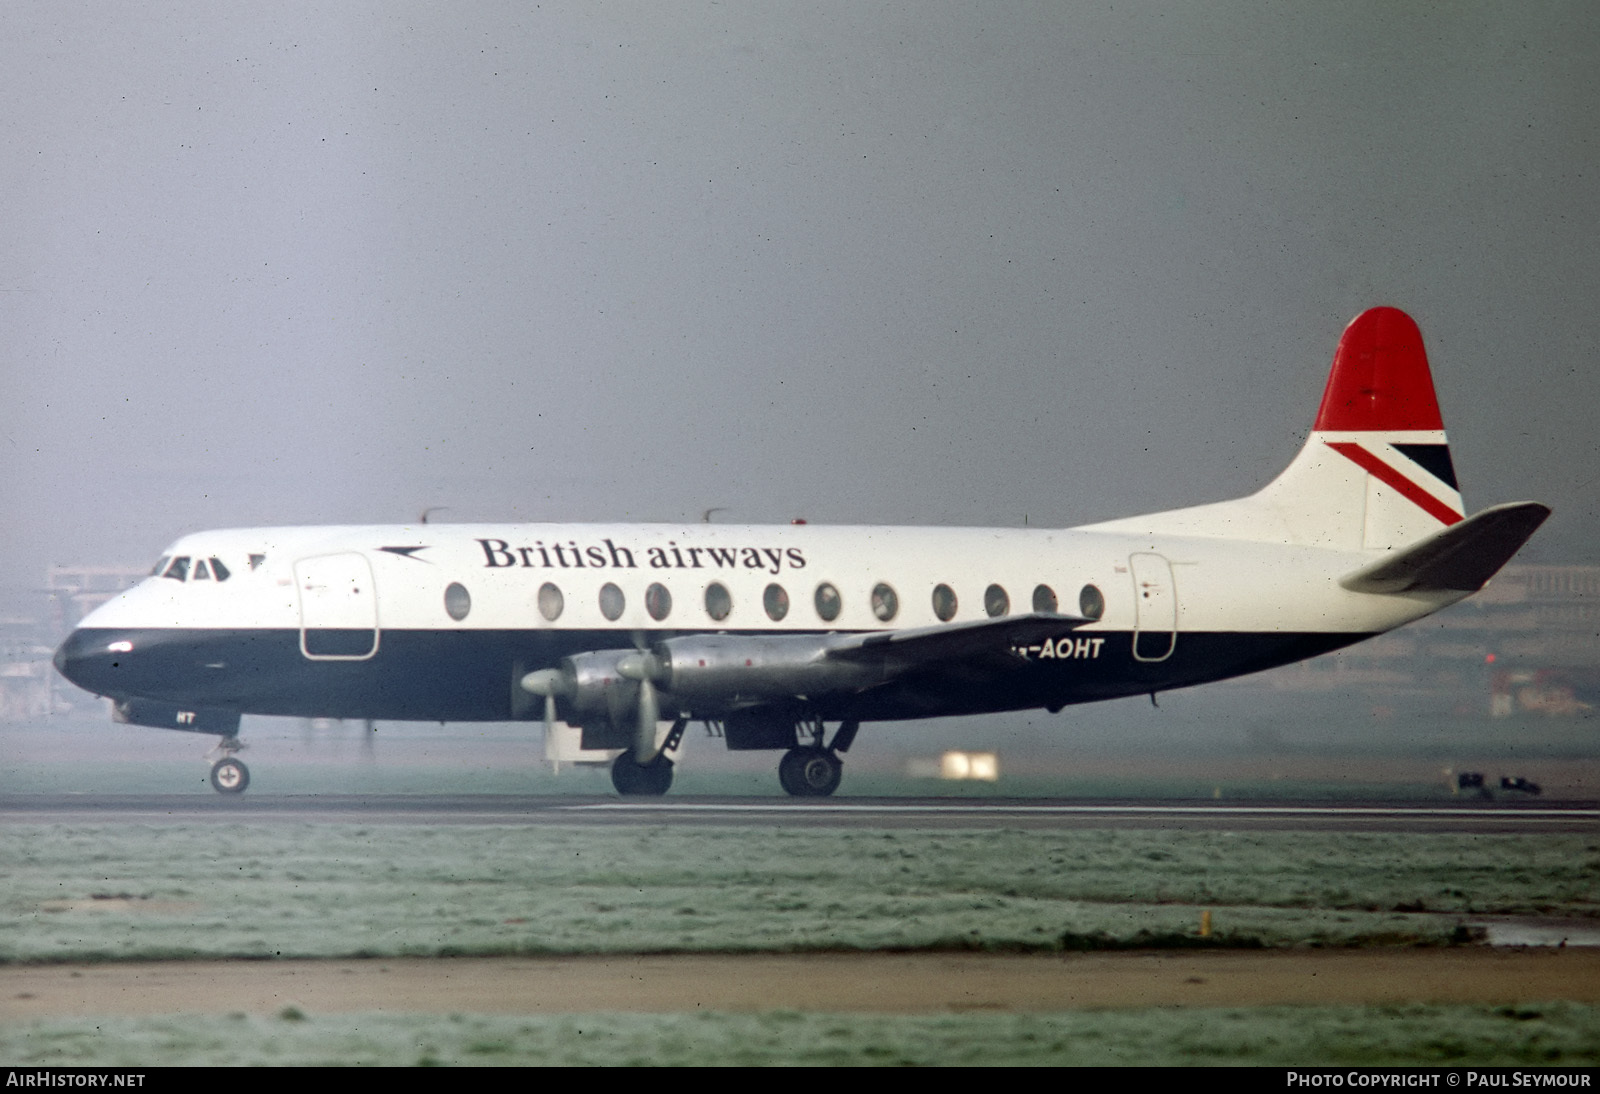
(229, 775)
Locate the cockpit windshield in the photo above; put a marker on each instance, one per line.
(204, 569)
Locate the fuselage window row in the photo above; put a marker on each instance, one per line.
(829, 603)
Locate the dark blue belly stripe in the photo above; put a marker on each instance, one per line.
(472, 675)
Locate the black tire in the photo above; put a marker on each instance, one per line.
(229, 776)
(635, 780)
(810, 772)
(788, 778)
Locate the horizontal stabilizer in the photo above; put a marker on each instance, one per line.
(1460, 558)
(953, 640)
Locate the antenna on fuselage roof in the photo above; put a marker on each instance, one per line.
(705, 518)
(434, 509)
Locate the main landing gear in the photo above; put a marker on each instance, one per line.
(229, 775)
(814, 770)
(810, 772)
(647, 780)
(636, 780)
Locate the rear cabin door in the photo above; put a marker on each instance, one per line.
(338, 607)
(1155, 628)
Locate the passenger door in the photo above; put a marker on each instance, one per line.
(338, 607)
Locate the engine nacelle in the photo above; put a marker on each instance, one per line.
(706, 675)
(711, 671)
(593, 687)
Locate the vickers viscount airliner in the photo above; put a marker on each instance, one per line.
(770, 634)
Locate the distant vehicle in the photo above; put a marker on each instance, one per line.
(771, 633)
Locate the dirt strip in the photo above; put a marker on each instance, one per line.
(883, 983)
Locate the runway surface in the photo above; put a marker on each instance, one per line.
(1032, 813)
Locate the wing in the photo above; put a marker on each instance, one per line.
(918, 646)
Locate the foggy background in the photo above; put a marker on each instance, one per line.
(918, 263)
(880, 263)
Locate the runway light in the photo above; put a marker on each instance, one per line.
(983, 766)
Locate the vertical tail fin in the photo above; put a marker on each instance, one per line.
(1377, 464)
(1375, 473)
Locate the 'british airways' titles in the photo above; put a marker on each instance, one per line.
(499, 554)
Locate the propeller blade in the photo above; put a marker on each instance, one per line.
(644, 733)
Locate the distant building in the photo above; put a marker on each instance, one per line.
(1529, 642)
(75, 591)
(31, 630)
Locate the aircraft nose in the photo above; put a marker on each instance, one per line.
(91, 660)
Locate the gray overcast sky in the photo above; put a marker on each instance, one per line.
(921, 263)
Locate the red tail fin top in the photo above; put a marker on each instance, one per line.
(1380, 378)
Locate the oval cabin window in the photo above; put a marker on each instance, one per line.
(658, 601)
(776, 601)
(885, 604)
(944, 603)
(457, 601)
(718, 601)
(612, 602)
(828, 602)
(551, 602)
(1044, 599)
(995, 601)
(1091, 603)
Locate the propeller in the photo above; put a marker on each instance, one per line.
(548, 683)
(644, 667)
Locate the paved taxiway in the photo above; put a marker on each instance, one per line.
(1031, 813)
(858, 982)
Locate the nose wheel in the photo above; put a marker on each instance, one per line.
(229, 776)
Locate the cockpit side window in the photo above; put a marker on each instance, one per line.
(218, 570)
(256, 561)
(179, 570)
(161, 564)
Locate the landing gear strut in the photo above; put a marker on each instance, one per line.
(229, 775)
